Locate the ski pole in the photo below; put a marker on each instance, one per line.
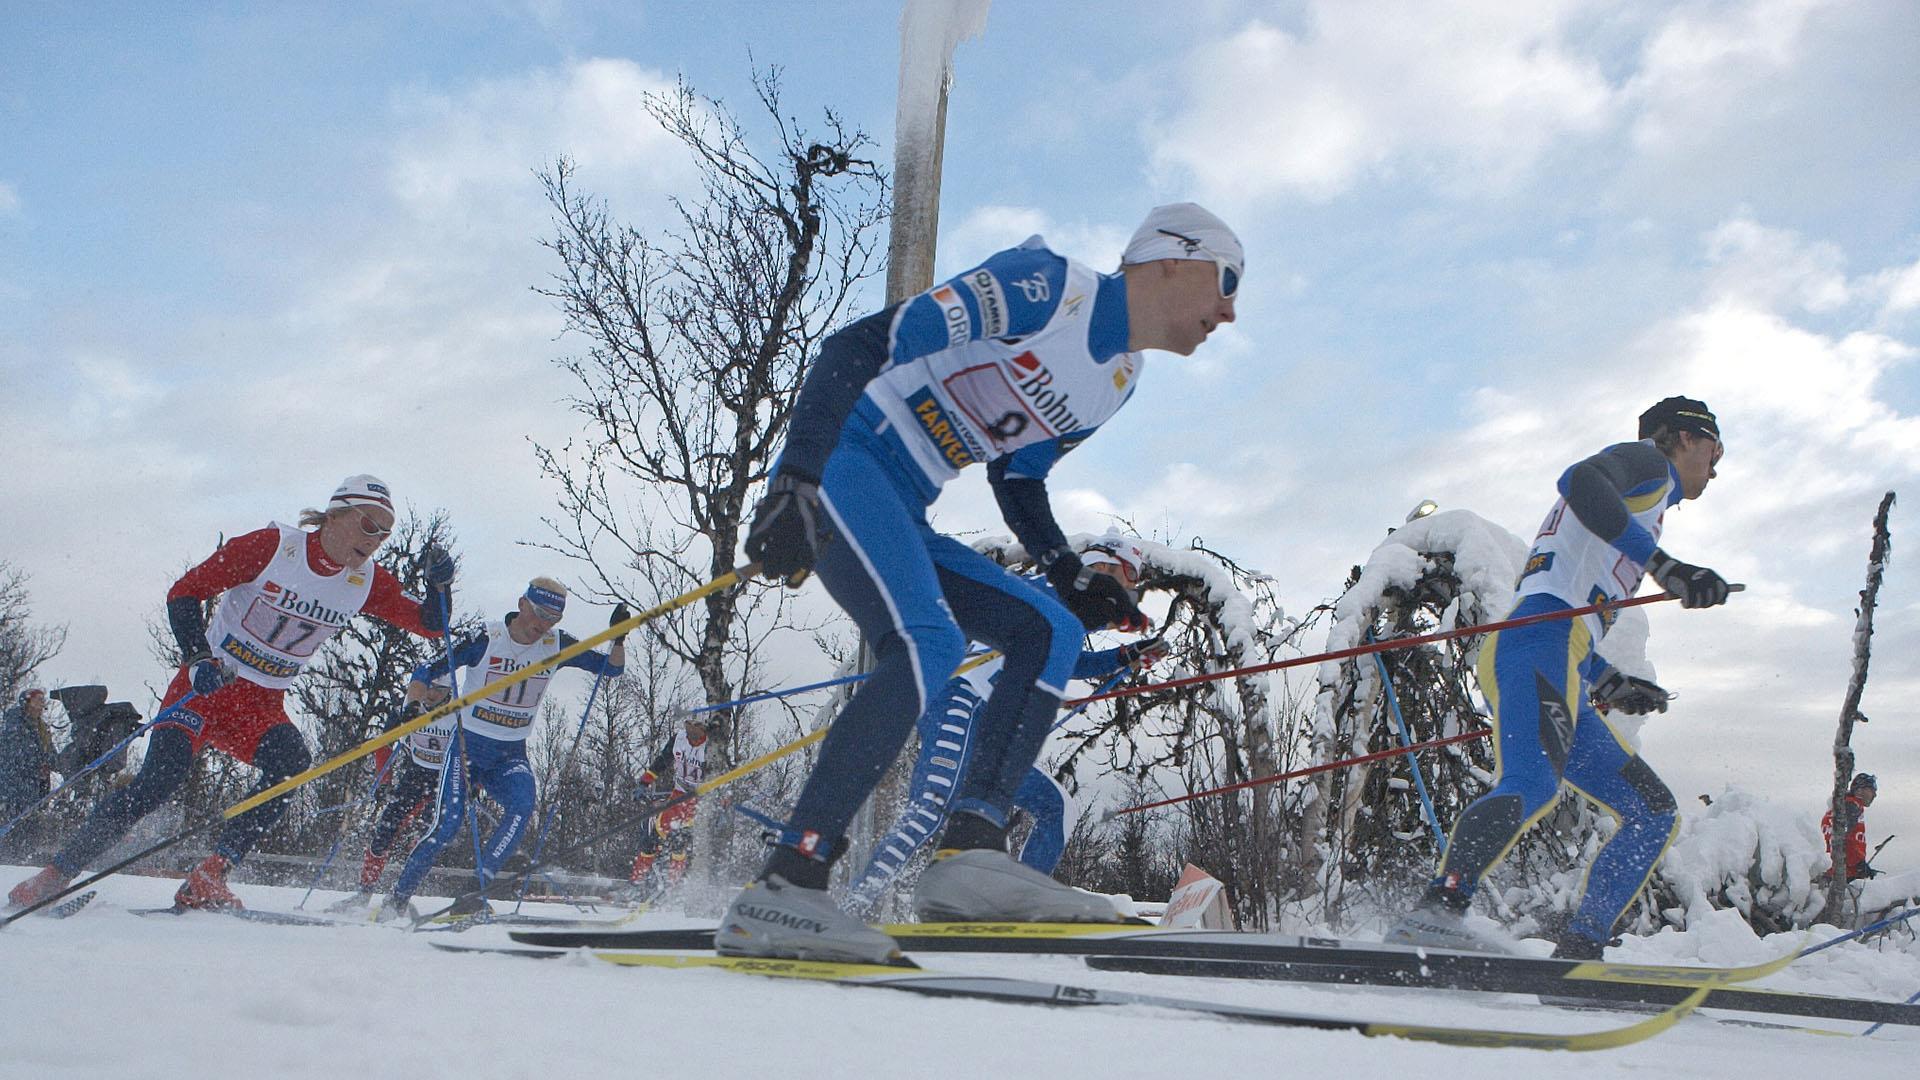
(553, 802)
(1406, 739)
(1392, 643)
(1082, 707)
(1877, 924)
(346, 826)
(1297, 773)
(47, 799)
(627, 823)
(769, 695)
(461, 780)
(727, 580)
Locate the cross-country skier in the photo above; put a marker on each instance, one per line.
(1542, 680)
(946, 740)
(284, 591)
(413, 782)
(1010, 364)
(496, 728)
(1853, 818)
(677, 770)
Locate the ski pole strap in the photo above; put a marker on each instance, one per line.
(805, 841)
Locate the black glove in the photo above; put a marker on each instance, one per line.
(620, 614)
(1096, 599)
(1695, 586)
(1633, 696)
(1865, 871)
(789, 528)
(1143, 654)
(207, 674)
(402, 713)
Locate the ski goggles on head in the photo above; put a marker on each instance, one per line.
(1229, 273)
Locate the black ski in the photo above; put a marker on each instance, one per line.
(1774, 1002)
(1283, 957)
(914, 979)
(276, 918)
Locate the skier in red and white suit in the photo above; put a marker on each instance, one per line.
(284, 591)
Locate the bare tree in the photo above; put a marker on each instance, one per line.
(24, 645)
(1877, 557)
(699, 330)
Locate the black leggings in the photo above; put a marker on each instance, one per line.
(281, 753)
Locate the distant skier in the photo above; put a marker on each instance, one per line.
(412, 781)
(496, 729)
(677, 770)
(1542, 680)
(284, 591)
(947, 738)
(1011, 364)
(1853, 818)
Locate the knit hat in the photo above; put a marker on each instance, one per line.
(361, 490)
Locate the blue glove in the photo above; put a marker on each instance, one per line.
(438, 565)
(207, 674)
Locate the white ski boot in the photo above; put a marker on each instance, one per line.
(773, 917)
(985, 885)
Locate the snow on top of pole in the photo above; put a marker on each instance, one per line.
(929, 32)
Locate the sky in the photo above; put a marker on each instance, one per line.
(246, 250)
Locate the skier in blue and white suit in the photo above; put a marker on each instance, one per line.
(1011, 364)
(947, 741)
(494, 729)
(1541, 681)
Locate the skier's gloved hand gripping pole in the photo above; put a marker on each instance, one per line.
(388, 738)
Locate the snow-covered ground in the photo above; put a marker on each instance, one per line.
(105, 994)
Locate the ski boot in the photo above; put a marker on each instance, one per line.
(38, 887)
(1439, 921)
(774, 917)
(470, 905)
(985, 885)
(395, 908)
(206, 887)
(352, 904)
(1574, 946)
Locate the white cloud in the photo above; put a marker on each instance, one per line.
(1775, 267)
(987, 229)
(1700, 67)
(1473, 98)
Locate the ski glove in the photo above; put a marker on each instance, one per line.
(1143, 654)
(621, 614)
(1097, 600)
(207, 674)
(1695, 586)
(789, 528)
(1633, 696)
